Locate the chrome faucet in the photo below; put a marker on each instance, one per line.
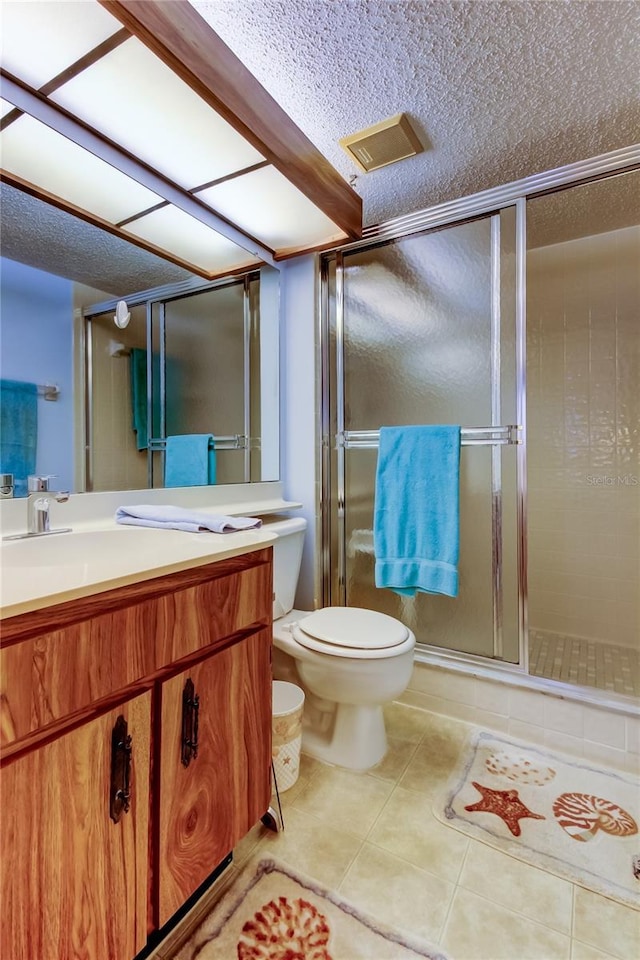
(38, 502)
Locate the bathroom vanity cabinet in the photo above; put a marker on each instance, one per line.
(136, 752)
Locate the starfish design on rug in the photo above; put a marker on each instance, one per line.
(506, 804)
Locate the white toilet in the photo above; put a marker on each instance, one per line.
(348, 660)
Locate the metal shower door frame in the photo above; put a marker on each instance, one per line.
(495, 434)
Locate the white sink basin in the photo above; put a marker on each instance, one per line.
(39, 571)
(64, 549)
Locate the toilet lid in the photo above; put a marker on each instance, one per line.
(350, 627)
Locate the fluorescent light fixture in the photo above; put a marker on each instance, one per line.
(42, 38)
(266, 205)
(123, 134)
(172, 229)
(39, 155)
(130, 96)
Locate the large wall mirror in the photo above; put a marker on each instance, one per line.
(99, 405)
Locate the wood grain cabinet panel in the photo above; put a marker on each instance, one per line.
(58, 672)
(207, 806)
(74, 883)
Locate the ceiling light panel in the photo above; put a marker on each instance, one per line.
(188, 238)
(42, 38)
(264, 204)
(5, 108)
(133, 98)
(34, 152)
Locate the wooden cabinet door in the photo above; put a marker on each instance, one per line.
(74, 883)
(207, 806)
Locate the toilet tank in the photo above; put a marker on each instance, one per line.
(287, 557)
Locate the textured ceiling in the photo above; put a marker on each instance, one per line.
(495, 90)
(49, 239)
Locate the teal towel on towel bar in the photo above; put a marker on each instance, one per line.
(139, 396)
(190, 460)
(416, 526)
(18, 431)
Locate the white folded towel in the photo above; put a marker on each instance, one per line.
(176, 518)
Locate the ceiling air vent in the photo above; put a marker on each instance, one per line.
(383, 143)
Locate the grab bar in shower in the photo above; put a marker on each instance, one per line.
(469, 437)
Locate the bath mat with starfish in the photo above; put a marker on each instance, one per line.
(274, 913)
(572, 819)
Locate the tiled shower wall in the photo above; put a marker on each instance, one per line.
(583, 319)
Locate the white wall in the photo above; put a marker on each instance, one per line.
(36, 333)
(300, 409)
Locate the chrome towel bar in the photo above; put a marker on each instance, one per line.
(470, 437)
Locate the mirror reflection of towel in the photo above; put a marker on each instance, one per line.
(138, 362)
(190, 460)
(138, 370)
(18, 431)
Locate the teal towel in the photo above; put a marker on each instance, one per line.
(138, 371)
(18, 431)
(139, 396)
(190, 460)
(416, 513)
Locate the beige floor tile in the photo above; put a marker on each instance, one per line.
(395, 762)
(436, 757)
(243, 850)
(309, 766)
(408, 829)
(478, 929)
(397, 893)
(605, 924)
(406, 723)
(518, 886)
(582, 951)
(307, 844)
(343, 800)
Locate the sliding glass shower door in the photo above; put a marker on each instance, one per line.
(422, 330)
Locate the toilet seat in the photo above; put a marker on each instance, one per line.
(353, 632)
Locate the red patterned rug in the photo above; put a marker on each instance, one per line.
(572, 819)
(272, 913)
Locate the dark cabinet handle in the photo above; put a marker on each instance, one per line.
(190, 716)
(120, 792)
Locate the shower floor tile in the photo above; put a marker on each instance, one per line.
(588, 663)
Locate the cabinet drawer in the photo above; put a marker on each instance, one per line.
(48, 676)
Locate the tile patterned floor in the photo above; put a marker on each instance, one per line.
(586, 662)
(373, 838)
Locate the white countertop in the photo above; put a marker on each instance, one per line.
(100, 555)
(42, 571)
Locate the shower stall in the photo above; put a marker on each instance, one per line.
(515, 314)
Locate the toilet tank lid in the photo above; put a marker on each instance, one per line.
(354, 627)
(284, 525)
